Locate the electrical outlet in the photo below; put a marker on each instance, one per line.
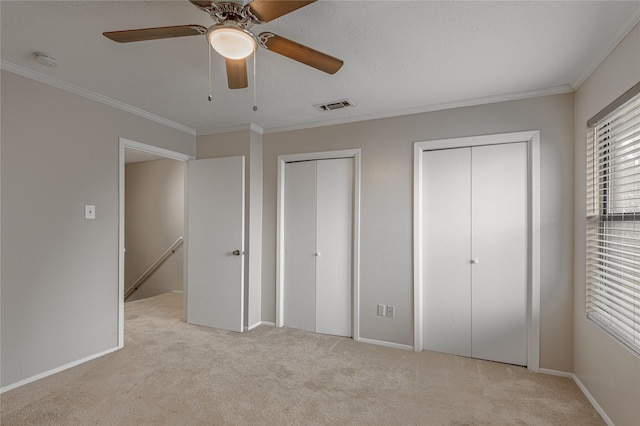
(391, 311)
(381, 310)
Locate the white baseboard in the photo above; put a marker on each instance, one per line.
(251, 327)
(593, 401)
(584, 390)
(177, 291)
(555, 373)
(387, 344)
(56, 370)
(258, 324)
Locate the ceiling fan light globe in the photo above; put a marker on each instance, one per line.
(232, 43)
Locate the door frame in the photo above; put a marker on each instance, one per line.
(355, 273)
(151, 149)
(532, 139)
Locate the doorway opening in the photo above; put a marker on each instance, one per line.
(149, 225)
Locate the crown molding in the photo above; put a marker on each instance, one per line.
(631, 21)
(77, 90)
(557, 90)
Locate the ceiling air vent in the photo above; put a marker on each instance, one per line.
(330, 106)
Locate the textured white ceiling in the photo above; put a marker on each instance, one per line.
(400, 56)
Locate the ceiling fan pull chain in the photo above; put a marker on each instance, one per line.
(209, 50)
(255, 59)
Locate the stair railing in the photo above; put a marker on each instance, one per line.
(154, 267)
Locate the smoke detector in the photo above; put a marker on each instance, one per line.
(331, 106)
(46, 60)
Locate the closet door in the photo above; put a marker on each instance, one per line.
(299, 246)
(446, 243)
(333, 246)
(499, 243)
(318, 206)
(475, 252)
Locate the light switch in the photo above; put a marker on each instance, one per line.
(89, 212)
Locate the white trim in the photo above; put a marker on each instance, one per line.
(387, 344)
(632, 20)
(583, 389)
(418, 342)
(123, 145)
(555, 373)
(533, 343)
(77, 90)
(593, 401)
(268, 323)
(282, 160)
(533, 140)
(251, 327)
(129, 144)
(556, 90)
(57, 370)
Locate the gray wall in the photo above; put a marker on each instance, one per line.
(59, 295)
(154, 219)
(609, 370)
(387, 209)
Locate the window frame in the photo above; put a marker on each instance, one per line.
(601, 210)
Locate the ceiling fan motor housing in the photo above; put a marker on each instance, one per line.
(226, 11)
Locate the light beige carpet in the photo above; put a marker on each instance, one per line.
(172, 373)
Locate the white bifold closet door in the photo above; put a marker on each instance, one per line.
(318, 217)
(475, 219)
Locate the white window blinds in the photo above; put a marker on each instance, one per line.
(613, 223)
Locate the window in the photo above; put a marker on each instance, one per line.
(613, 220)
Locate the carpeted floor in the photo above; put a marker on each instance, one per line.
(172, 373)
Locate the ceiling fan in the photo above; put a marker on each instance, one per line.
(231, 35)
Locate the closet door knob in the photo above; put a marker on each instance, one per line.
(474, 261)
(317, 254)
(236, 253)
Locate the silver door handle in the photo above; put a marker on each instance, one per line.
(317, 254)
(237, 252)
(474, 261)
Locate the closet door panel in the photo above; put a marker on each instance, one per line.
(499, 243)
(299, 243)
(333, 247)
(446, 243)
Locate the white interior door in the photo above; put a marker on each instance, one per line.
(475, 252)
(333, 246)
(215, 243)
(318, 217)
(299, 246)
(447, 241)
(499, 244)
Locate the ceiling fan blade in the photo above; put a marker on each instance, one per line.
(237, 73)
(201, 4)
(301, 53)
(128, 36)
(268, 10)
